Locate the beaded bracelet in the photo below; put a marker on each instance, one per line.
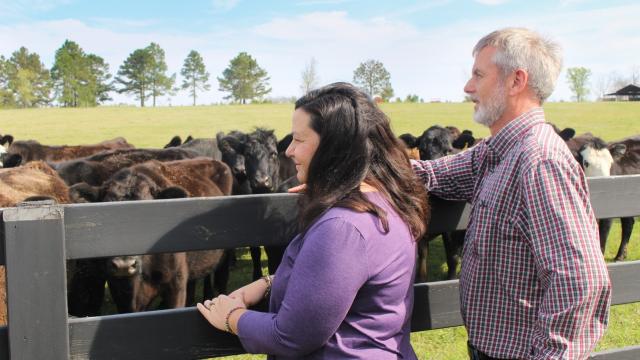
(226, 321)
(267, 279)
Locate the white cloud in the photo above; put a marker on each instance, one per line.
(224, 5)
(491, 2)
(433, 63)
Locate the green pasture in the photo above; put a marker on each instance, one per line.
(153, 127)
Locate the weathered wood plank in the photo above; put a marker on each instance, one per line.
(36, 282)
(140, 227)
(615, 196)
(626, 353)
(625, 283)
(436, 306)
(165, 334)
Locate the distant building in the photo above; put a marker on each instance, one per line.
(627, 93)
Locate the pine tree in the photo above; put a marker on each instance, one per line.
(28, 80)
(134, 75)
(195, 75)
(160, 83)
(244, 80)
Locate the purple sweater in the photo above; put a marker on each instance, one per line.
(344, 291)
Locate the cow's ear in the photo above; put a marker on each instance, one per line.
(172, 192)
(175, 141)
(83, 193)
(12, 160)
(567, 133)
(6, 140)
(617, 151)
(189, 138)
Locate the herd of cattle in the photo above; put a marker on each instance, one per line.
(235, 163)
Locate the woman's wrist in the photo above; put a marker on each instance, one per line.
(233, 318)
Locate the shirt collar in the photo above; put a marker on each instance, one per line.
(509, 135)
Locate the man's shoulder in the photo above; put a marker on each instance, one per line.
(541, 143)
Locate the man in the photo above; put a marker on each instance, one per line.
(533, 283)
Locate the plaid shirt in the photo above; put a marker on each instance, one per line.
(533, 283)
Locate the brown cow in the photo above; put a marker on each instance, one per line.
(168, 275)
(96, 169)
(35, 179)
(21, 152)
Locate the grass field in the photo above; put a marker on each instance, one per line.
(153, 127)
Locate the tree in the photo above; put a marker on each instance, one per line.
(310, 78)
(195, 75)
(100, 82)
(6, 97)
(28, 80)
(372, 77)
(578, 78)
(134, 75)
(412, 98)
(160, 83)
(244, 80)
(387, 93)
(80, 79)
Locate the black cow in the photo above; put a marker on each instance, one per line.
(135, 281)
(254, 162)
(615, 158)
(434, 143)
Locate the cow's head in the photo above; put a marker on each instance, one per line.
(5, 142)
(435, 143)
(597, 158)
(232, 148)
(175, 141)
(261, 161)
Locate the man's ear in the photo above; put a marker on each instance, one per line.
(519, 80)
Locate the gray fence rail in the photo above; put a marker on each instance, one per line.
(38, 240)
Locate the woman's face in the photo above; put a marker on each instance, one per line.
(304, 145)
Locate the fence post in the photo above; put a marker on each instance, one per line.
(36, 282)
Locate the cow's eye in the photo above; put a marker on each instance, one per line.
(585, 163)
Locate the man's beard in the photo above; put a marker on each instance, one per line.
(493, 108)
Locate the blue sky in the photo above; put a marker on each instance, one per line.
(425, 45)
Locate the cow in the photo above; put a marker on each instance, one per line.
(5, 142)
(254, 161)
(135, 281)
(434, 143)
(410, 143)
(203, 146)
(35, 180)
(94, 170)
(620, 157)
(31, 150)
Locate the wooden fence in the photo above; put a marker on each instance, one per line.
(39, 238)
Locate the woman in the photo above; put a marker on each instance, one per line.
(344, 287)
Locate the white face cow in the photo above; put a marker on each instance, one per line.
(3, 151)
(596, 162)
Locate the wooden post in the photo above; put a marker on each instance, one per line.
(36, 282)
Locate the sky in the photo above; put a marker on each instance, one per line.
(425, 45)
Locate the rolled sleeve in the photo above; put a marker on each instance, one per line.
(451, 177)
(562, 233)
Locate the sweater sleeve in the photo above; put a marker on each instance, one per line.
(328, 272)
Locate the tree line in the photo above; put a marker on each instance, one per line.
(81, 79)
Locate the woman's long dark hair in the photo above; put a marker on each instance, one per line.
(356, 145)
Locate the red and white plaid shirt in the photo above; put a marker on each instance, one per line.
(533, 283)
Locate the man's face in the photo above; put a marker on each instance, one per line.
(486, 88)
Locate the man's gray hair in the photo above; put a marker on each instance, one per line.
(519, 48)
